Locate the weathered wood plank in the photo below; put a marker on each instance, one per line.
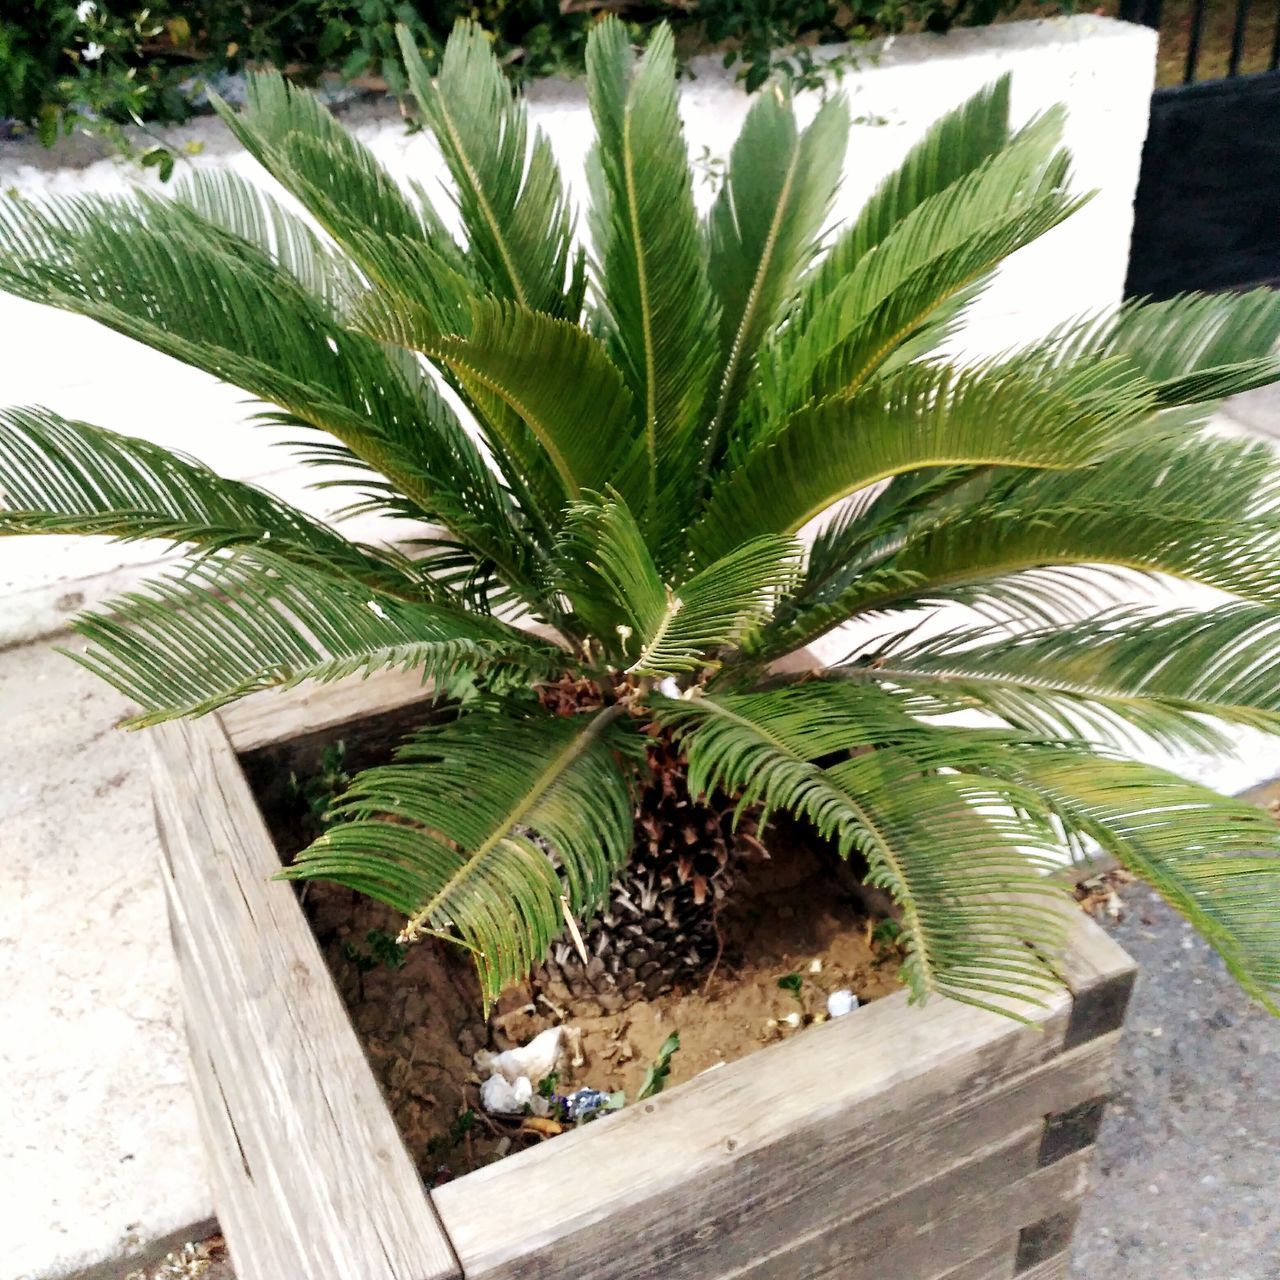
(1057, 1268)
(324, 1189)
(1099, 974)
(995, 1263)
(768, 1147)
(958, 1214)
(276, 715)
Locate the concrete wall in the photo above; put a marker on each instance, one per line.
(1102, 70)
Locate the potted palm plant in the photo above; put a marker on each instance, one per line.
(655, 471)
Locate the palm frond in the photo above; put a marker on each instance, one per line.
(550, 376)
(1122, 669)
(1214, 859)
(509, 194)
(188, 644)
(1041, 565)
(155, 271)
(324, 167)
(62, 476)
(1201, 346)
(227, 200)
(958, 853)
(609, 573)
(925, 416)
(492, 866)
(651, 274)
(762, 232)
(909, 286)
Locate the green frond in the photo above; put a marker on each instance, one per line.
(1041, 565)
(762, 232)
(188, 644)
(664, 629)
(61, 476)
(227, 200)
(547, 375)
(957, 852)
(323, 166)
(155, 271)
(651, 273)
(953, 147)
(1202, 346)
(491, 866)
(1214, 859)
(900, 296)
(1122, 669)
(924, 416)
(509, 193)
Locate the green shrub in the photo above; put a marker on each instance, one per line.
(98, 66)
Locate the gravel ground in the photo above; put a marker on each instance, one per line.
(1185, 1184)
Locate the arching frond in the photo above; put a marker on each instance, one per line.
(188, 644)
(665, 630)
(1041, 565)
(61, 476)
(1125, 668)
(154, 270)
(1215, 860)
(958, 854)
(953, 147)
(492, 866)
(1202, 346)
(927, 416)
(848, 325)
(762, 232)
(553, 377)
(509, 193)
(325, 167)
(229, 201)
(651, 274)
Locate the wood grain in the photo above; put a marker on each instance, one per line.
(1051, 1269)
(276, 715)
(311, 1176)
(787, 1141)
(961, 1212)
(991, 1264)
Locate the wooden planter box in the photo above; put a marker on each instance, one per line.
(896, 1143)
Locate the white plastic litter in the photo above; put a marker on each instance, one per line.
(534, 1061)
(500, 1097)
(841, 1002)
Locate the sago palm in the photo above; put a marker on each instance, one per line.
(623, 445)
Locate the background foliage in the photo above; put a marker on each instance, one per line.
(67, 65)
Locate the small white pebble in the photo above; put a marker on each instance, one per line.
(841, 1002)
(815, 966)
(792, 1020)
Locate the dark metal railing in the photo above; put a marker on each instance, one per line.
(1150, 12)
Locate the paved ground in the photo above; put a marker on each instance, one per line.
(99, 1153)
(1186, 1182)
